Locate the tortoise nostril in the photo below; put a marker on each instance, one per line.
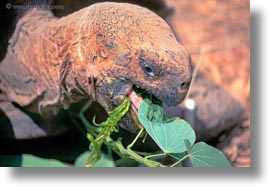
(186, 84)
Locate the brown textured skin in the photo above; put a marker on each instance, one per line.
(94, 52)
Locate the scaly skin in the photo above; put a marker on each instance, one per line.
(96, 53)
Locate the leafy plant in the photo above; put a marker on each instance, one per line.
(174, 136)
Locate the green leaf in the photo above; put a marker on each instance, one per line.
(34, 161)
(108, 126)
(82, 159)
(169, 134)
(104, 161)
(204, 155)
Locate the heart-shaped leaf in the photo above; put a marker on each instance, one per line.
(204, 155)
(169, 134)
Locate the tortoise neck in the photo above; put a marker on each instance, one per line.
(59, 46)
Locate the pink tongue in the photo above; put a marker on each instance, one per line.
(135, 100)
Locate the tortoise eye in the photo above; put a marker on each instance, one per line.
(147, 68)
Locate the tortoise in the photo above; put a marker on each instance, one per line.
(102, 52)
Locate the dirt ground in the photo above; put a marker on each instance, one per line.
(217, 34)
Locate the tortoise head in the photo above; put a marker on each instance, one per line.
(133, 47)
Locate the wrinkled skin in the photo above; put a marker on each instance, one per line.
(100, 52)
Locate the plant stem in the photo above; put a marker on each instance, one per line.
(155, 155)
(90, 128)
(135, 139)
(186, 156)
(137, 157)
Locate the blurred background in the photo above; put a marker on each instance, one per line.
(217, 35)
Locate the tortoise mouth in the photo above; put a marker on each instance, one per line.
(136, 96)
(135, 101)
